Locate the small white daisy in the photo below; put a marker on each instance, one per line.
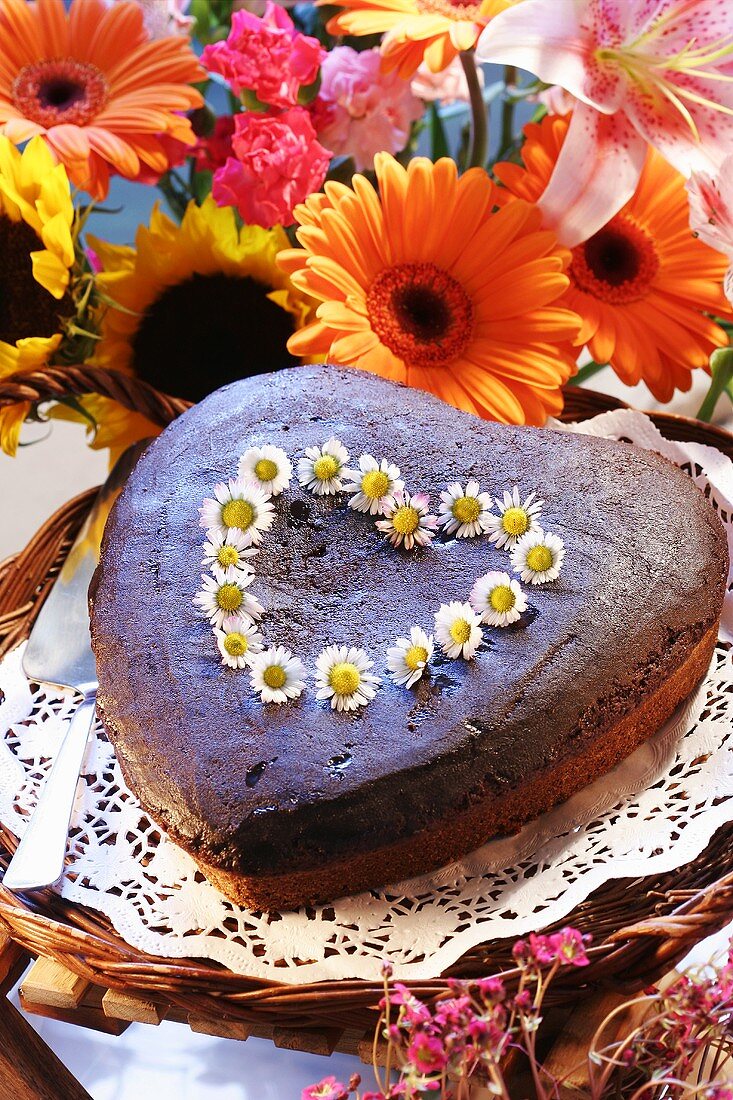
(322, 468)
(372, 484)
(498, 599)
(238, 504)
(277, 675)
(458, 629)
(226, 554)
(407, 521)
(343, 676)
(268, 467)
(464, 512)
(217, 599)
(407, 659)
(238, 641)
(516, 517)
(538, 556)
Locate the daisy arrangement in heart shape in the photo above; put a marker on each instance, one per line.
(242, 512)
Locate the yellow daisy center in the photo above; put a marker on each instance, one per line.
(344, 678)
(229, 597)
(466, 509)
(515, 521)
(266, 469)
(326, 467)
(236, 644)
(406, 520)
(460, 631)
(227, 555)
(502, 598)
(374, 484)
(274, 676)
(238, 513)
(416, 657)
(539, 559)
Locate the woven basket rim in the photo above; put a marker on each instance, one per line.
(638, 935)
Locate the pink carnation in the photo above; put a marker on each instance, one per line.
(279, 162)
(211, 152)
(360, 110)
(447, 86)
(267, 56)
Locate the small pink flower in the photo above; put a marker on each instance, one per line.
(361, 110)
(426, 1053)
(277, 163)
(327, 1089)
(568, 947)
(447, 86)
(267, 56)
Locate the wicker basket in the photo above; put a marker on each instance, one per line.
(640, 929)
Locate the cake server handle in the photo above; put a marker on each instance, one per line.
(39, 858)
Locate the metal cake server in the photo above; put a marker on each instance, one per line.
(59, 652)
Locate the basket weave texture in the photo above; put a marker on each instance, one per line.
(640, 929)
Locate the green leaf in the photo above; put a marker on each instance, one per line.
(721, 369)
(438, 141)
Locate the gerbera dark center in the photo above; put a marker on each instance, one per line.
(26, 308)
(421, 313)
(210, 330)
(60, 90)
(618, 263)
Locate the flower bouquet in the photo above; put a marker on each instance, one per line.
(487, 200)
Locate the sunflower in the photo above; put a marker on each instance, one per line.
(37, 249)
(643, 285)
(431, 288)
(104, 97)
(431, 30)
(194, 306)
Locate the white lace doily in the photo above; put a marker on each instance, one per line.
(655, 812)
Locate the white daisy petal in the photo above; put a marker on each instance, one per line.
(458, 630)
(321, 469)
(498, 599)
(408, 658)
(464, 512)
(343, 676)
(516, 517)
(267, 467)
(538, 556)
(407, 521)
(217, 600)
(238, 640)
(277, 675)
(239, 505)
(372, 484)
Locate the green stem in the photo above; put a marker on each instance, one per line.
(586, 371)
(721, 368)
(507, 111)
(479, 121)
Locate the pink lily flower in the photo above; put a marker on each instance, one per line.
(644, 71)
(711, 213)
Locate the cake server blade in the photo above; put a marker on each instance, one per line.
(59, 652)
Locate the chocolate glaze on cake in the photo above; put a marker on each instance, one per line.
(281, 804)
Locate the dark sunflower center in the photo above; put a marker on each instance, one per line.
(61, 90)
(210, 330)
(421, 313)
(26, 308)
(617, 264)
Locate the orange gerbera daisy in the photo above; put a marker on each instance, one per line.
(429, 287)
(643, 285)
(103, 96)
(436, 30)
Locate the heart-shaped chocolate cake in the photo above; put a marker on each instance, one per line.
(282, 804)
